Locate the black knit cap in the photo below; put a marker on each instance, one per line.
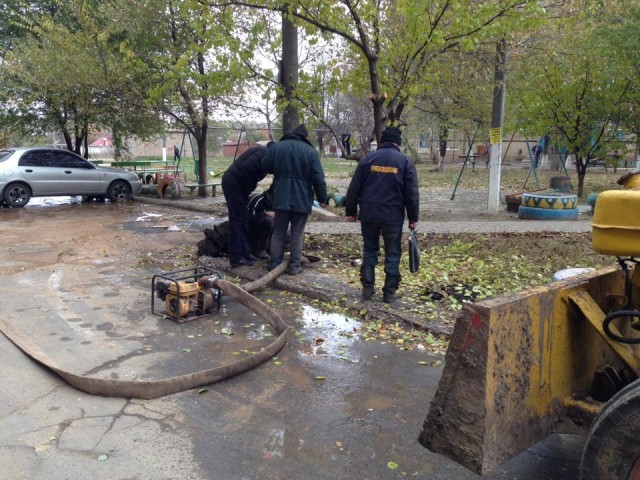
(391, 134)
(301, 130)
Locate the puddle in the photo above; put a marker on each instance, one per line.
(150, 222)
(148, 216)
(54, 201)
(275, 444)
(329, 333)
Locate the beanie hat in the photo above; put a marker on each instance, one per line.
(391, 134)
(301, 131)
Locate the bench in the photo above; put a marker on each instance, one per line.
(193, 186)
(597, 163)
(472, 158)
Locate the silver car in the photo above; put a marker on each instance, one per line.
(47, 172)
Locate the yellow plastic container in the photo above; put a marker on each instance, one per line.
(630, 180)
(186, 288)
(616, 223)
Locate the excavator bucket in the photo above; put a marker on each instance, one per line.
(522, 367)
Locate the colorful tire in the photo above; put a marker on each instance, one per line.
(550, 201)
(532, 213)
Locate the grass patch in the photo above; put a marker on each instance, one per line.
(512, 180)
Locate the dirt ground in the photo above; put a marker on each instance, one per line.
(62, 235)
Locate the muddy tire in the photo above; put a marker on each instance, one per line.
(169, 188)
(118, 191)
(611, 449)
(16, 195)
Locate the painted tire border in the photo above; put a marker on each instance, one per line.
(550, 201)
(532, 213)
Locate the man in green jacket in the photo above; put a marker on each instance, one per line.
(297, 176)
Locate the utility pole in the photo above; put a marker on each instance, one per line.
(289, 73)
(497, 123)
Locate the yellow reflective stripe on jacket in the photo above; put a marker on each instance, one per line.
(381, 169)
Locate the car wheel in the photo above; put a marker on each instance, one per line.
(17, 195)
(119, 190)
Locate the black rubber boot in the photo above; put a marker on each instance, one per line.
(391, 283)
(368, 280)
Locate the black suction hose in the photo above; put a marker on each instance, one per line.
(611, 317)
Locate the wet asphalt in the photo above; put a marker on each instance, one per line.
(332, 405)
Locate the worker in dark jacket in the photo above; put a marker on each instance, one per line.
(240, 179)
(384, 186)
(297, 176)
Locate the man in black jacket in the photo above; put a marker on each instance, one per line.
(384, 185)
(240, 179)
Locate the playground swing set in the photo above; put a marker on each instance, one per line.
(171, 185)
(553, 203)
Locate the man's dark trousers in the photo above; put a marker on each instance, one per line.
(238, 220)
(392, 237)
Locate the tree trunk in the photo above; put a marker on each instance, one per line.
(378, 117)
(581, 170)
(67, 139)
(442, 146)
(77, 147)
(580, 184)
(203, 174)
(85, 144)
(289, 73)
(320, 138)
(117, 146)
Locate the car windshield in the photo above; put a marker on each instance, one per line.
(4, 154)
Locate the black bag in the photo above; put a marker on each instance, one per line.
(414, 252)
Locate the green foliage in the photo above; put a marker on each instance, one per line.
(571, 84)
(389, 52)
(58, 75)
